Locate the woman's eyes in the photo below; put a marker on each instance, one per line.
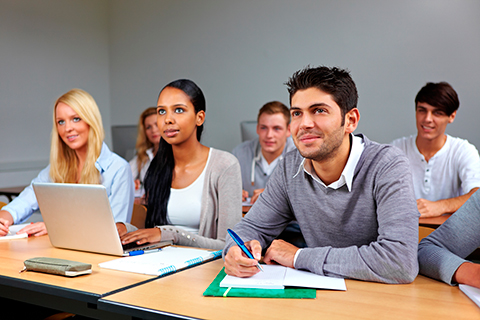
(177, 110)
(62, 122)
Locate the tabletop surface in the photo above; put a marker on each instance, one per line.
(435, 221)
(14, 252)
(181, 294)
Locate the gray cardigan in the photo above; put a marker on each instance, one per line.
(221, 205)
(369, 233)
(443, 251)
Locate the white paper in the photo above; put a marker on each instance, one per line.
(299, 278)
(271, 278)
(278, 277)
(247, 202)
(13, 232)
(169, 259)
(472, 292)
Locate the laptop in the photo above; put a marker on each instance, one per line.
(79, 217)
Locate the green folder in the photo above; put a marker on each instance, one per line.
(215, 290)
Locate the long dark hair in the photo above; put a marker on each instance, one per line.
(158, 179)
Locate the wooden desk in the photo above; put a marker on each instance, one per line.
(180, 295)
(77, 295)
(11, 192)
(434, 222)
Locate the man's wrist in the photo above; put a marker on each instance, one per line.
(295, 257)
(467, 273)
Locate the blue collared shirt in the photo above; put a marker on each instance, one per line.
(116, 177)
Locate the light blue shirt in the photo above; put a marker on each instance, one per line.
(116, 178)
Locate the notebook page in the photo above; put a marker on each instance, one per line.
(13, 232)
(472, 292)
(271, 278)
(299, 278)
(169, 259)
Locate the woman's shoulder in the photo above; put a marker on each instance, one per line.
(220, 156)
(111, 160)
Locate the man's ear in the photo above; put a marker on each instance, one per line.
(351, 120)
(452, 116)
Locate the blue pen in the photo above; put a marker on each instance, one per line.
(140, 252)
(241, 244)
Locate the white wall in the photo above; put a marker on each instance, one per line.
(239, 52)
(46, 48)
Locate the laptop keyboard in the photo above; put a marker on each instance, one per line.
(129, 246)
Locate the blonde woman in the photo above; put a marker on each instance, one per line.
(77, 155)
(148, 138)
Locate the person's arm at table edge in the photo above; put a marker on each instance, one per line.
(430, 209)
(443, 252)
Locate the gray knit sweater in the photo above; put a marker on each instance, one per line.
(443, 251)
(370, 233)
(221, 205)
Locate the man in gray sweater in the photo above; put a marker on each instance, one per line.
(353, 198)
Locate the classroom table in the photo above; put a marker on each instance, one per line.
(180, 296)
(11, 192)
(76, 295)
(434, 222)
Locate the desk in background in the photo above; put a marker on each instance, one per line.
(434, 222)
(180, 296)
(11, 192)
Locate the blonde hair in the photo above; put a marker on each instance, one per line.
(143, 144)
(63, 159)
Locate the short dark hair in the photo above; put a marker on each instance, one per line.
(274, 107)
(440, 95)
(332, 80)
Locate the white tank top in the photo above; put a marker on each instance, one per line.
(185, 205)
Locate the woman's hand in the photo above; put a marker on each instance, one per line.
(142, 236)
(121, 228)
(138, 184)
(36, 229)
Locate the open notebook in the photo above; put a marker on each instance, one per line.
(165, 261)
(279, 277)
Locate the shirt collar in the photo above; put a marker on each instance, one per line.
(104, 160)
(358, 145)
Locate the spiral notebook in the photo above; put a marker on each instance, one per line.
(165, 261)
